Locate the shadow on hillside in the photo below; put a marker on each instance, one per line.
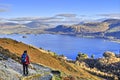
(102, 76)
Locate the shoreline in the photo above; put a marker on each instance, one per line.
(74, 35)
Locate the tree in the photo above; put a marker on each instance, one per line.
(81, 56)
(92, 56)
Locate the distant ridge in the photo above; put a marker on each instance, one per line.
(105, 29)
(108, 29)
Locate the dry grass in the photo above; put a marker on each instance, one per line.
(32, 77)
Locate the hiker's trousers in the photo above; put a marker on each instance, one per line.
(25, 69)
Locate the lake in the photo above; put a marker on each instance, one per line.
(67, 45)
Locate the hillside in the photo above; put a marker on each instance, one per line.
(46, 58)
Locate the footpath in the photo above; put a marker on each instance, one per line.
(12, 70)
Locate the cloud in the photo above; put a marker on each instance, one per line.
(57, 19)
(49, 19)
(113, 15)
(66, 15)
(4, 7)
(83, 15)
(23, 19)
(35, 19)
(3, 10)
(1, 18)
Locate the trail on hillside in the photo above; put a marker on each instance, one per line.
(12, 70)
(38, 77)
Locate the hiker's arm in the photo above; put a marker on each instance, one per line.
(28, 60)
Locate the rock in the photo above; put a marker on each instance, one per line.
(109, 54)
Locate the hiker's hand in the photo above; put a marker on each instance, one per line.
(31, 66)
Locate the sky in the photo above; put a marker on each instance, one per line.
(82, 9)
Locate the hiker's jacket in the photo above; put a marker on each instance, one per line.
(25, 59)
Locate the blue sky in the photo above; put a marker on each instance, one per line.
(47, 8)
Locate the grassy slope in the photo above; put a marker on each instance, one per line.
(42, 57)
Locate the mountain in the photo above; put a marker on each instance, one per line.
(61, 28)
(106, 28)
(112, 20)
(101, 19)
(114, 28)
(15, 28)
(10, 27)
(84, 28)
(34, 27)
(8, 23)
(39, 56)
(113, 23)
(38, 24)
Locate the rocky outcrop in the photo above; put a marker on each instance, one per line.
(109, 54)
(106, 66)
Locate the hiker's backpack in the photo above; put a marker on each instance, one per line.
(23, 58)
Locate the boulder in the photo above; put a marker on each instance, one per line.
(109, 54)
